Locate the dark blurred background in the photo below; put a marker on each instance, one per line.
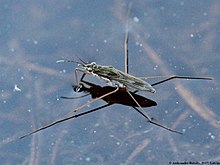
(165, 38)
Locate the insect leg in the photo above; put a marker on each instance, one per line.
(181, 77)
(126, 51)
(149, 119)
(169, 77)
(65, 97)
(86, 82)
(90, 84)
(152, 121)
(126, 39)
(63, 119)
(79, 70)
(94, 100)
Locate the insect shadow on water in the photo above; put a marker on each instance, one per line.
(122, 83)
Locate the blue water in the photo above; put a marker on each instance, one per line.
(165, 38)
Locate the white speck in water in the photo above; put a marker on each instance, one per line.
(12, 50)
(201, 153)
(212, 137)
(58, 61)
(88, 159)
(88, 105)
(29, 110)
(97, 124)
(118, 143)
(155, 67)
(111, 136)
(94, 131)
(22, 78)
(136, 19)
(140, 51)
(177, 102)
(16, 88)
(35, 42)
(105, 41)
(191, 35)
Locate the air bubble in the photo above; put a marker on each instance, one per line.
(136, 19)
(191, 35)
(88, 159)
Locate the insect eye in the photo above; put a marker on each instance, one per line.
(90, 69)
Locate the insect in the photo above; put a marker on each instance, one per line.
(116, 77)
(97, 91)
(121, 79)
(121, 84)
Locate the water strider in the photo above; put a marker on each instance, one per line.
(117, 78)
(97, 92)
(121, 84)
(120, 79)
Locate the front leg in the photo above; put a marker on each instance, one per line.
(80, 70)
(86, 82)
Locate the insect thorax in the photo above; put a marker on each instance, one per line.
(107, 73)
